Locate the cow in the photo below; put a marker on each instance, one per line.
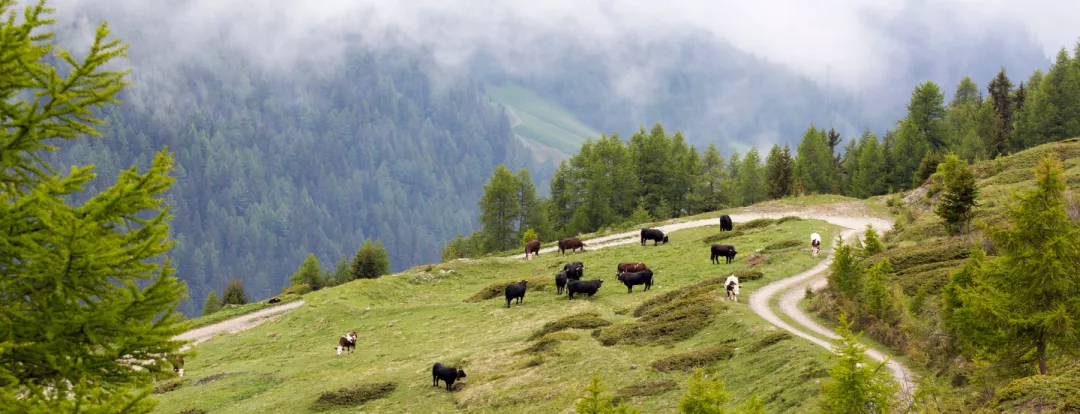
(631, 267)
(445, 373)
(560, 281)
(273, 300)
(515, 291)
(815, 243)
(732, 285)
(588, 287)
(725, 223)
(574, 271)
(571, 244)
(654, 235)
(532, 247)
(630, 279)
(347, 341)
(725, 250)
(177, 365)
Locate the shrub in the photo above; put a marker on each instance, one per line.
(193, 411)
(697, 358)
(671, 317)
(370, 261)
(168, 386)
(724, 235)
(758, 223)
(704, 395)
(769, 340)
(212, 304)
(296, 290)
(498, 289)
(548, 341)
(584, 320)
(354, 395)
(748, 274)
(786, 219)
(234, 293)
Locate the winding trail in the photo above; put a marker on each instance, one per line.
(237, 324)
(791, 289)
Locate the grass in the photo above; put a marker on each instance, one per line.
(542, 120)
(232, 311)
(414, 322)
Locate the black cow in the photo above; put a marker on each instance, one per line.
(725, 223)
(515, 291)
(574, 271)
(588, 287)
(654, 235)
(445, 373)
(571, 244)
(643, 277)
(725, 250)
(560, 281)
(274, 300)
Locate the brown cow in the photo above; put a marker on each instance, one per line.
(532, 247)
(570, 243)
(630, 268)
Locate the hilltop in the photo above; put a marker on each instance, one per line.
(435, 313)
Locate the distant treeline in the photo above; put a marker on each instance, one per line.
(656, 176)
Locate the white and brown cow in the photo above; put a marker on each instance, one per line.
(347, 341)
(815, 243)
(732, 285)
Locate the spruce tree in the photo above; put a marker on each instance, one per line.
(500, 210)
(212, 304)
(370, 261)
(234, 293)
(958, 199)
(83, 296)
(1001, 97)
(309, 272)
(1020, 305)
(855, 385)
(778, 171)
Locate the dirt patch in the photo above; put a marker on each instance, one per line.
(353, 395)
(212, 378)
(755, 259)
(698, 358)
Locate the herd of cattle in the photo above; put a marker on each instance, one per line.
(569, 279)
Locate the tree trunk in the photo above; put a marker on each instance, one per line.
(1041, 351)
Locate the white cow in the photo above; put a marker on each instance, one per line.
(815, 243)
(732, 285)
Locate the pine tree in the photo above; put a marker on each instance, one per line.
(872, 244)
(310, 272)
(234, 293)
(714, 175)
(500, 209)
(844, 276)
(1023, 303)
(960, 192)
(83, 295)
(751, 177)
(1001, 98)
(778, 172)
(371, 261)
(704, 395)
(212, 304)
(855, 385)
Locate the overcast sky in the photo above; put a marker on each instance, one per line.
(853, 41)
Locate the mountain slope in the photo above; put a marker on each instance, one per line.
(541, 121)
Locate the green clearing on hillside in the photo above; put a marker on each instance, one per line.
(542, 121)
(409, 321)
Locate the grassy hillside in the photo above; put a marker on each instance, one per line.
(541, 120)
(408, 321)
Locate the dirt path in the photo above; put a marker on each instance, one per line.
(237, 324)
(845, 214)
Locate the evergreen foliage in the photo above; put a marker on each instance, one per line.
(234, 293)
(212, 304)
(958, 201)
(371, 261)
(309, 273)
(84, 294)
(855, 385)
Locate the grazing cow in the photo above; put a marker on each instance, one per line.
(532, 247)
(588, 287)
(445, 373)
(630, 279)
(815, 243)
(732, 285)
(347, 341)
(654, 235)
(515, 291)
(631, 267)
(725, 250)
(574, 271)
(571, 244)
(725, 223)
(178, 365)
(274, 300)
(560, 281)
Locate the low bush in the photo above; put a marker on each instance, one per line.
(698, 358)
(781, 245)
(670, 317)
(758, 223)
(168, 386)
(748, 274)
(769, 340)
(786, 219)
(645, 389)
(498, 289)
(193, 411)
(584, 320)
(724, 235)
(354, 395)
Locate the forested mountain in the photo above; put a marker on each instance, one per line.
(272, 166)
